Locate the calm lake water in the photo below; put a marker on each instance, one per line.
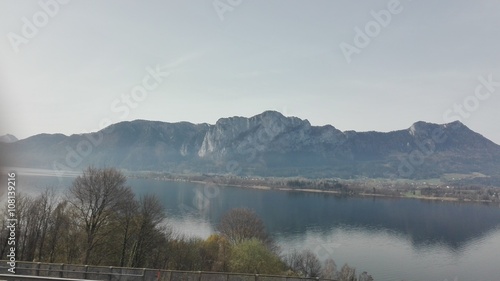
(391, 239)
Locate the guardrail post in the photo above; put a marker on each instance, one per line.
(110, 277)
(38, 268)
(85, 274)
(143, 274)
(61, 272)
(256, 277)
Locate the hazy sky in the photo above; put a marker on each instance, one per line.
(361, 65)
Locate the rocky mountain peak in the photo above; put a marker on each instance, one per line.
(421, 128)
(8, 138)
(256, 131)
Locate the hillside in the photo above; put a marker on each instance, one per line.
(268, 144)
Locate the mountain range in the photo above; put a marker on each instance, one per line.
(268, 144)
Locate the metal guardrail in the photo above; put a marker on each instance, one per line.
(54, 271)
(16, 277)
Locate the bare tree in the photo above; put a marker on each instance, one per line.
(242, 224)
(365, 277)
(4, 235)
(127, 211)
(33, 214)
(305, 263)
(347, 273)
(46, 202)
(59, 227)
(329, 270)
(96, 196)
(151, 214)
(25, 221)
(36, 221)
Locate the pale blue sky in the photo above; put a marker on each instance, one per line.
(281, 55)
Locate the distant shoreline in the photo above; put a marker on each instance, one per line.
(334, 192)
(351, 189)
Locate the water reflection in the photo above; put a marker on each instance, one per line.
(392, 239)
(423, 223)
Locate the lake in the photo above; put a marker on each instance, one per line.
(391, 239)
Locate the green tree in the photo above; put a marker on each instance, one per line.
(252, 256)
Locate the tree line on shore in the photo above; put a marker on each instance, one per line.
(479, 189)
(101, 222)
